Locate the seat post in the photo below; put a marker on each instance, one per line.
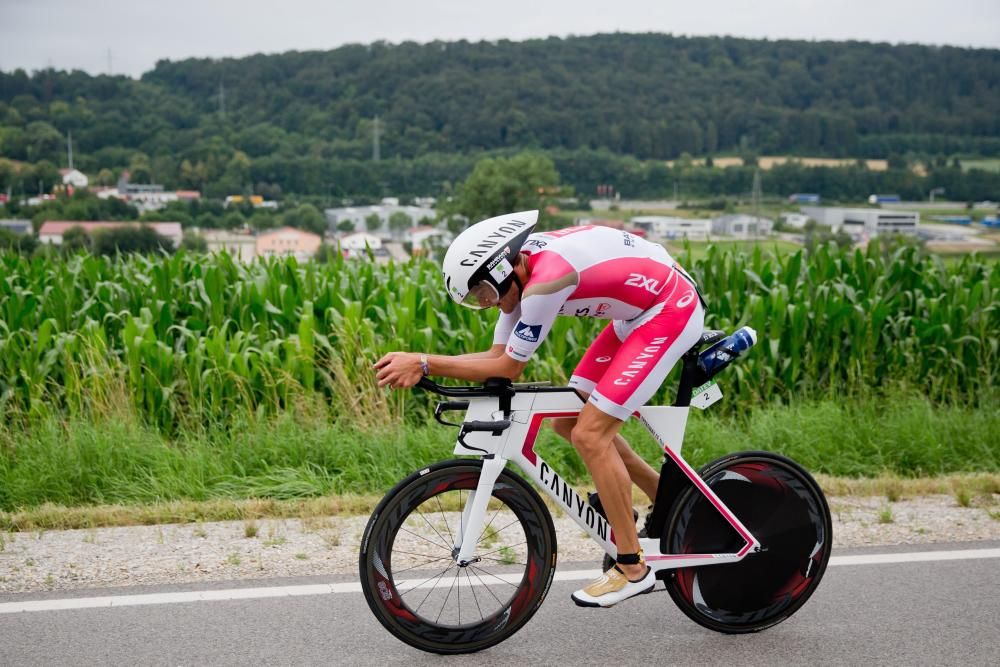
(691, 376)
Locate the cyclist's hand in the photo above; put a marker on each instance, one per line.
(398, 370)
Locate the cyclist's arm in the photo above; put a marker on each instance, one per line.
(476, 369)
(400, 370)
(495, 351)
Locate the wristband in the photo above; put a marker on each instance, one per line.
(424, 366)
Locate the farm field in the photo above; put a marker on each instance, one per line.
(139, 380)
(988, 164)
(771, 161)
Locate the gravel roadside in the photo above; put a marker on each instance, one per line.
(227, 550)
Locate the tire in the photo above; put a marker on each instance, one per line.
(784, 508)
(407, 552)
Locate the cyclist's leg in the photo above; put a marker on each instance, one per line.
(585, 377)
(641, 473)
(592, 437)
(637, 370)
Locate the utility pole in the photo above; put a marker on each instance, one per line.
(69, 147)
(376, 153)
(755, 197)
(222, 99)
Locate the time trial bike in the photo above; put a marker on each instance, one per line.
(459, 555)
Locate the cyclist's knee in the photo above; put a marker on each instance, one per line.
(564, 426)
(589, 441)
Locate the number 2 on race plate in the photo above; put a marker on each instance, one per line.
(706, 395)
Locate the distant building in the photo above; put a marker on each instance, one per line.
(74, 178)
(613, 224)
(741, 225)
(359, 244)
(145, 196)
(151, 200)
(424, 236)
(795, 220)
(257, 201)
(670, 227)
(17, 226)
(288, 241)
(803, 198)
(52, 231)
(242, 247)
(868, 222)
(358, 215)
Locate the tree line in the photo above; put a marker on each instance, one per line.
(255, 123)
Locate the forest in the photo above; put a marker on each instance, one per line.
(606, 108)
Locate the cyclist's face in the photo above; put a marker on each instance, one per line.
(508, 302)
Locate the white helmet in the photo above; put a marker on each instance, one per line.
(478, 267)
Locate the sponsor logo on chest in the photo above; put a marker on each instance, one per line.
(651, 285)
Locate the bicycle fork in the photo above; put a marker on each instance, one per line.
(474, 514)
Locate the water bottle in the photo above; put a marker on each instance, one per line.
(720, 355)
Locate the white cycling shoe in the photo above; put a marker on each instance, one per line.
(613, 587)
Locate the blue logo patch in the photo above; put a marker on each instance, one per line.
(528, 332)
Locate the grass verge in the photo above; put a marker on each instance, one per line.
(58, 517)
(117, 471)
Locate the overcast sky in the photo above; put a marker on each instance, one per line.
(75, 34)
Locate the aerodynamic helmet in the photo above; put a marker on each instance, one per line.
(479, 265)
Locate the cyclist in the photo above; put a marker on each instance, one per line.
(587, 271)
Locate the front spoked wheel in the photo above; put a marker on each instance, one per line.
(784, 508)
(411, 579)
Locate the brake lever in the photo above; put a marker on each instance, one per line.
(445, 406)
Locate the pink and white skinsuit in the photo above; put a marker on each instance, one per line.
(655, 311)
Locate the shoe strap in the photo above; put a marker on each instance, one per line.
(630, 559)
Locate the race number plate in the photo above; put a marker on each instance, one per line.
(706, 395)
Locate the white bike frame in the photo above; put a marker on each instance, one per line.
(516, 444)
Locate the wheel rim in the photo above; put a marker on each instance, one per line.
(779, 508)
(428, 596)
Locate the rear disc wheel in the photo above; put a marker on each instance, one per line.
(784, 508)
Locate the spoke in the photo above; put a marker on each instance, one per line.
(492, 518)
(506, 546)
(474, 596)
(433, 588)
(487, 587)
(502, 529)
(432, 527)
(490, 574)
(413, 588)
(413, 567)
(447, 597)
(413, 553)
(437, 544)
(444, 518)
(458, 577)
(505, 562)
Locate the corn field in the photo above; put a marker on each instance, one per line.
(187, 340)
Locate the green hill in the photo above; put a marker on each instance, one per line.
(644, 95)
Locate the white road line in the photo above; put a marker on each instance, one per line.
(355, 587)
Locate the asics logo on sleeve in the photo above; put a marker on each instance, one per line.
(528, 332)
